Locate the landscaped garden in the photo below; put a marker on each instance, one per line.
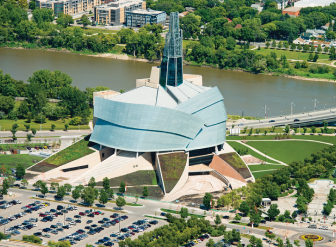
(71, 153)
(172, 166)
(288, 151)
(234, 160)
(256, 168)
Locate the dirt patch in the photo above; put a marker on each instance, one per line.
(29, 175)
(42, 167)
(172, 166)
(198, 198)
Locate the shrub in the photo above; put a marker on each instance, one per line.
(281, 218)
(75, 121)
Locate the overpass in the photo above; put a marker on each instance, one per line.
(295, 120)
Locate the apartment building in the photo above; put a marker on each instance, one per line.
(68, 6)
(114, 13)
(141, 17)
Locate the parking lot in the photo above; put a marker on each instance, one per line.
(58, 222)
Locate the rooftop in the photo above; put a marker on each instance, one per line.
(292, 9)
(118, 4)
(146, 11)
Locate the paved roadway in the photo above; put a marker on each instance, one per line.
(303, 119)
(152, 208)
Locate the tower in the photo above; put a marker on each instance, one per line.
(171, 66)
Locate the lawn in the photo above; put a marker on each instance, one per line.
(172, 166)
(134, 178)
(260, 174)
(186, 42)
(237, 145)
(290, 54)
(71, 153)
(288, 151)
(92, 30)
(154, 191)
(11, 161)
(328, 139)
(6, 125)
(255, 168)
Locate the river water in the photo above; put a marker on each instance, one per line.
(244, 93)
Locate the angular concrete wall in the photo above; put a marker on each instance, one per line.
(225, 169)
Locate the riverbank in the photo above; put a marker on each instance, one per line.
(118, 55)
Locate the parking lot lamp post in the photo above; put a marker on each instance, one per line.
(119, 223)
(334, 218)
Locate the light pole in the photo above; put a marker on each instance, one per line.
(324, 106)
(304, 109)
(266, 108)
(315, 102)
(291, 105)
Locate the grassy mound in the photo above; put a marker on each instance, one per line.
(153, 191)
(71, 153)
(172, 166)
(234, 160)
(133, 179)
(288, 151)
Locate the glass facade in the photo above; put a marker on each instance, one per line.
(171, 65)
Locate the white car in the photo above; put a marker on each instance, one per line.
(18, 202)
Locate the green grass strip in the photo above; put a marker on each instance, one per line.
(245, 224)
(255, 168)
(153, 217)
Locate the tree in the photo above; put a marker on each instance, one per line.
(287, 214)
(103, 197)
(53, 126)
(316, 57)
(273, 211)
(145, 191)
(309, 243)
(29, 137)
(304, 130)
(54, 186)
(207, 200)
(5, 186)
(237, 217)
(61, 192)
(319, 48)
(311, 57)
(255, 218)
(75, 194)
(68, 187)
(313, 129)
(294, 215)
(211, 243)
(287, 129)
(106, 183)
(33, 131)
(20, 171)
(11, 180)
(218, 220)
(110, 193)
(24, 182)
(273, 44)
(27, 127)
(267, 44)
(244, 208)
(92, 182)
(265, 132)
(122, 187)
(85, 20)
(297, 243)
(88, 195)
(44, 189)
(184, 212)
(64, 20)
(306, 48)
(120, 202)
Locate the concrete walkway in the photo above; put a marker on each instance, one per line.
(257, 151)
(327, 143)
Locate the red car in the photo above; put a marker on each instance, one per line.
(117, 221)
(131, 227)
(56, 215)
(28, 206)
(96, 213)
(82, 213)
(42, 215)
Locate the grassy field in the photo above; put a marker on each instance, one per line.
(255, 168)
(11, 161)
(6, 125)
(260, 174)
(92, 30)
(290, 54)
(240, 146)
(154, 191)
(135, 178)
(73, 152)
(288, 151)
(328, 139)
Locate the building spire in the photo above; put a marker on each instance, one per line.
(171, 66)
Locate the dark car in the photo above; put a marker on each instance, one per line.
(77, 216)
(89, 222)
(78, 221)
(296, 120)
(271, 121)
(163, 214)
(66, 227)
(90, 215)
(53, 226)
(16, 185)
(101, 222)
(38, 234)
(254, 224)
(88, 227)
(60, 207)
(53, 210)
(263, 221)
(226, 217)
(60, 229)
(59, 213)
(108, 244)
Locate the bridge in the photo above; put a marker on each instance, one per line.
(295, 120)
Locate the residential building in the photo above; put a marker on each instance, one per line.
(114, 13)
(292, 11)
(257, 6)
(68, 6)
(141, 17)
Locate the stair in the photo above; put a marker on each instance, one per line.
(108, 165)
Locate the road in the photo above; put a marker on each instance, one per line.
(302, 119)
(153, 208)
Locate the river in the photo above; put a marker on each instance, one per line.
(243, 92)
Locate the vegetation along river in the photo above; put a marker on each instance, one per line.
(242, 91)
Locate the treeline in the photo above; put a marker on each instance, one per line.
(15, 27)
(44, 84)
